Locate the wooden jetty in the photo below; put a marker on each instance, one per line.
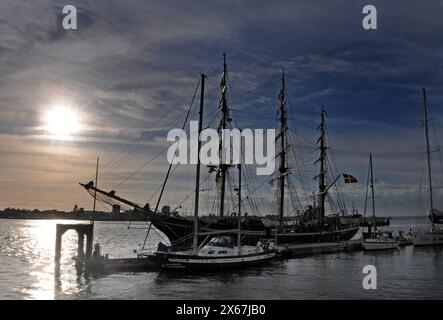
(83, 231)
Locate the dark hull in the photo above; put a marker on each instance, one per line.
(177, 263)
(179, 229)
(436, 218)
(321, 236)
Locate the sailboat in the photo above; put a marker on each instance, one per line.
(222, 252)
(313, 223)
(377, 240)
(433, 236)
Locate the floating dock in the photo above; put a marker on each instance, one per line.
(310, 249)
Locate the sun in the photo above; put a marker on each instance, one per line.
(62, 122)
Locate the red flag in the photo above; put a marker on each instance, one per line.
(349, 179)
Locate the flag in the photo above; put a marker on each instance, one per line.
(349, 179)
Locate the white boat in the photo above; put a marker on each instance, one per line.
(377, 240)
(428, 237)
(219, 254)
(382, 241)
(434, 235)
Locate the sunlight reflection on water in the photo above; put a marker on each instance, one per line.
(27, 271)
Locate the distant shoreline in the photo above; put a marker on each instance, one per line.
(24, 214)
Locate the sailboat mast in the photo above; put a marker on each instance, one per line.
(322, 159)
(428, 151)
(197, 178)
(239, 208)
(282, 168)
(223, 167)
(373, 197)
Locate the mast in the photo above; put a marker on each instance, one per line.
(223, 167)
(373, 197)
(282, 168)
(366, 199)
(197, 178)
(428, 152)
(322, 159)
(239, 208)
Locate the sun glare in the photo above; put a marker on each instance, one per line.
(62, 122)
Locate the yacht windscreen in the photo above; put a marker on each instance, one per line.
(225, 241)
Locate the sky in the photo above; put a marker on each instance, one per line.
(130, 70)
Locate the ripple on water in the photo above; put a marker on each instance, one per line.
(27, 271)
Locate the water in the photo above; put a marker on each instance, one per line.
(27, 271)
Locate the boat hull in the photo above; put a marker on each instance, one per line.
(320, 236)
(379, 245)
(428, 238)
(180, 263)
(177, 229)
(180, 229)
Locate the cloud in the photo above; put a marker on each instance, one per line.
(131, 70)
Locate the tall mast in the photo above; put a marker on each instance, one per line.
(223, 167)
(374, 224)
(322, 159)
(428, 152)
(282, 168)
(239, 208)
(197, 178)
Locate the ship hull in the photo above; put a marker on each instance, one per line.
(320, 236)
(179, 229)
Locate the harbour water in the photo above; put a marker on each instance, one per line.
(27, 270)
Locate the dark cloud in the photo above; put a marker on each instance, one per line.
(132, 67)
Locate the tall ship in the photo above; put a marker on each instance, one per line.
(312, 224)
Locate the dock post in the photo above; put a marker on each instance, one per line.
(81, 243)
(58, 242)
(89, 241)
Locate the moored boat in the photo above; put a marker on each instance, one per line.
(219, 254)
(382, 240)
(428, 237)
(434, 235)
(376, 240)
